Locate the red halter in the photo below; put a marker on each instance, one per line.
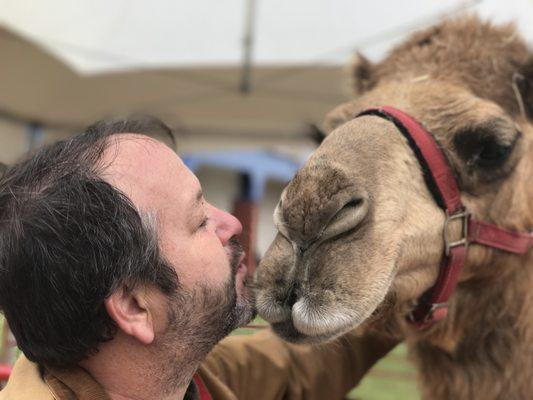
(433, 306)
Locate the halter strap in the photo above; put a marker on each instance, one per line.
(440, 179)
(203, 392)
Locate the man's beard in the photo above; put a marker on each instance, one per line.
(197, 320)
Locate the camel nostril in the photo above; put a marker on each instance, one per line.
(348, 217)
(300, 250)
(353, 203)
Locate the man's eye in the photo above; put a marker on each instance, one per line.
(203, 224)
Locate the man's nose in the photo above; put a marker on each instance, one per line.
(227, 226)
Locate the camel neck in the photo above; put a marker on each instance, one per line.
(485, 348)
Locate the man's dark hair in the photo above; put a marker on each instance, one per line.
(68, 240)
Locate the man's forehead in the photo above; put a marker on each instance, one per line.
(134, 148)
(147, 171)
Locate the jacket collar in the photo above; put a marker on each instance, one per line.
(29, 382)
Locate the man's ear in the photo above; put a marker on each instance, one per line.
(130, 310)
(361, 72)
(523, 86)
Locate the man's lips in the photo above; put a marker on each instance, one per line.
(240, 277)
(241, 258)
(236, 261)
(242, 269)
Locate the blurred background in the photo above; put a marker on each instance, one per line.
(242, 83)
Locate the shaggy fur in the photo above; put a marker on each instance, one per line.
(362, 236)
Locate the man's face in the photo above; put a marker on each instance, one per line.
(196, 239)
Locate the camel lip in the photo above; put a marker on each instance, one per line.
(287, 331)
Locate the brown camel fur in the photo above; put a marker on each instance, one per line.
(360, 235)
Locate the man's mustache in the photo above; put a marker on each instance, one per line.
(236, 253)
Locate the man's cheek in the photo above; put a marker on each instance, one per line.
(214, 270)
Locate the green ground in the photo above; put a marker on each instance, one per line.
(393, 378)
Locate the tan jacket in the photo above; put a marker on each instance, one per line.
(256, 367)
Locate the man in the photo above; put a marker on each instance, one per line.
(118, 279)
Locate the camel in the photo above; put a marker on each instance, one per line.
(360, 234)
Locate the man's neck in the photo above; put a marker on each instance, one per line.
(127, 371)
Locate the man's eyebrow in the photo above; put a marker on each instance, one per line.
(198, 198)
(194, 213)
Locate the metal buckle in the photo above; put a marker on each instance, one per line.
(434, 307)
(463, 215)
(428, 315)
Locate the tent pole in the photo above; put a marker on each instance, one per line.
(248, 42)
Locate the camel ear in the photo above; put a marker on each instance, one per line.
(362, 74)
(317, 134)
(523, 84)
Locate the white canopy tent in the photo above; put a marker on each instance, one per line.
(66, 63)
(103, 35)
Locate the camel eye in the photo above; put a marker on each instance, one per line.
(483, 149)
(492, 155)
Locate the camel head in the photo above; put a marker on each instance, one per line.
(360, 234)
